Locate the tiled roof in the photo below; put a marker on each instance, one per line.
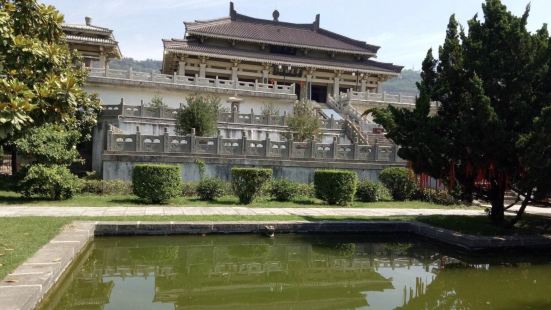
(245, 28)
(90, 34)
(85, 28)
(88, 39)
(195, 48)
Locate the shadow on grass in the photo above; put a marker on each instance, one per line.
(18, 200)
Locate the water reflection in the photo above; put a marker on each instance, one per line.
(292, 272)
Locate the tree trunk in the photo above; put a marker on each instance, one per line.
(13, 160)
(523, 206)
(497, 197)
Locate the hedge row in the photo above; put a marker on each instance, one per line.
(159, 183)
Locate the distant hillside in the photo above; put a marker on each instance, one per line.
(404, 84)
(137, 65)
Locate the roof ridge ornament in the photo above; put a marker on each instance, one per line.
(233, 13)
(275, 15)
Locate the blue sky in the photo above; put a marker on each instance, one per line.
(404, 29)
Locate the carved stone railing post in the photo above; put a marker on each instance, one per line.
(174, 77)
(110, 138)
(219, 143)
(332, 122)
(375, 151)
(192, 141)
(243, 142)
(284, 118)
(269, 119)
(152, 75)
(356, 149)
(335, 147)
(121, 104)
(267, 146)
(394, 154)
(130, 75)
(234, 115)
(313, 147)
(138, 139)
(166, 141)
(290, 147)
(142, 108)
(251, 117)
(161, 111)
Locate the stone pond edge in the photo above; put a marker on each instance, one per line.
(26, 286)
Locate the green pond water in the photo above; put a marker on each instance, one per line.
(297, 272)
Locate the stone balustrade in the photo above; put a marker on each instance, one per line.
(223, 117)
(175, 79)
(167, 144)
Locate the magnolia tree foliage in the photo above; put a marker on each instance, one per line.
(303, 123)
(200, 113)
(492, 128)
(41, 80)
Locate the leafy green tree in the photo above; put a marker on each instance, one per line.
(50, 144)
(201, 113)
(304, 123)
(41, 80)
(491, 129)
(157, 102)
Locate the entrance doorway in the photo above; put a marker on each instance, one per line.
(319, 93)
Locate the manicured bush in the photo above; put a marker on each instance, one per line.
(106, 187)
(54, 182)
(248, 183)
(189, 189)
(306, 190)
(372, 192)
(156, 183)
(437, 196)
(399, 181)
(336, 187)
(209, 189)
(284, 190)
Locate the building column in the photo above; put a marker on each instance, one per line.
(336, 87)
(181, 68)
(309, 86)
(234, 73)
(364, 85)
(202, 70)
(103, 60)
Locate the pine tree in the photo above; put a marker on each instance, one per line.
(491, 129)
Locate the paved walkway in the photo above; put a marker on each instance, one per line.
(13, 211)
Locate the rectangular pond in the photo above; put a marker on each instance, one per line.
(296, 271)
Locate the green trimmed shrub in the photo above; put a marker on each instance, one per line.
(189, 189)
(209, 189)
(372, 192)
(441, 197)
(399, 181)
(106, 187)
(54, 182)
(306, 190)
(284, 190)
(156, 183)
(248, 183)
(336, 187)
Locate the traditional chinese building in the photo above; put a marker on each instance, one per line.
(254, 66)
(97, 45)
(320, 63)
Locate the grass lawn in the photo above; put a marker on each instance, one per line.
(21, 237)
(12, 198)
